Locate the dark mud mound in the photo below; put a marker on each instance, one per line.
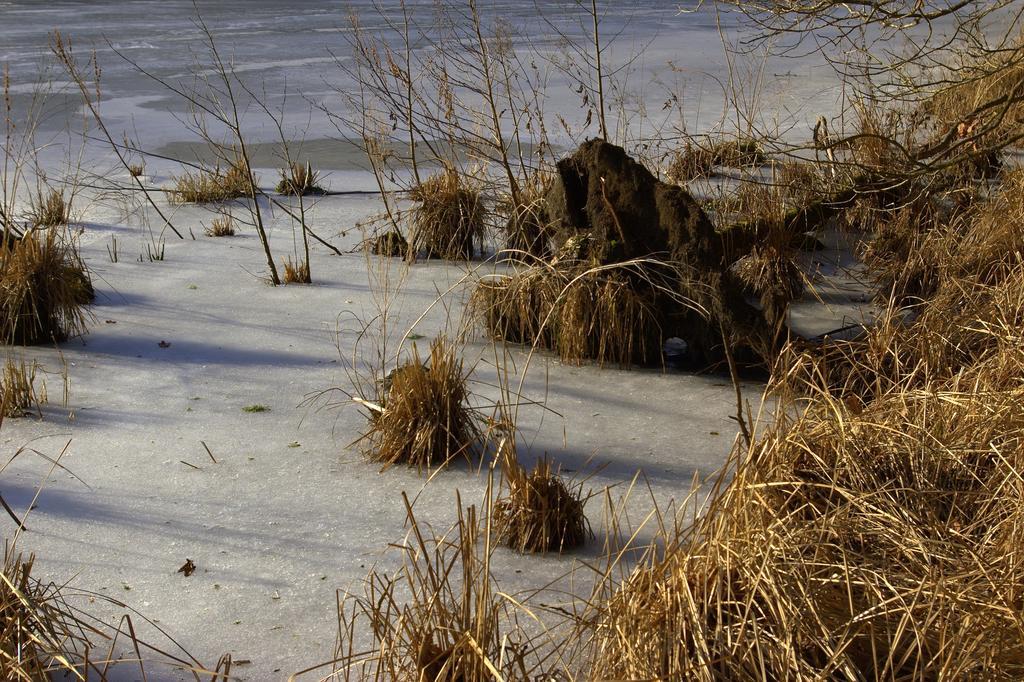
(607, 210)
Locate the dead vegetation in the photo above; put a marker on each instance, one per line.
(391, 244)
(438, 618)
(47, 632)
(221, 226)
(702, 159)
(44, 288)
(421, 417)
(449, 219)
(136, 170)
(49, 209)
(212, 185)
(578, 312)
(880, 507)
(296, 272)
(300, 180)
(18, 395)
(538, 511)
(528, 230)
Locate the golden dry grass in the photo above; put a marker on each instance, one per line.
(527, 228)
(136, 170)
(299, 180)
(51, 209)
(296, 272)
(870, 532)
(700, 159)
(44, 288)
(211, 185)
(221, 226)
(422, 417)
(438, 618)
(580, 313)
(449, 220)
(18, 394)
(538, 511)
(37, 628)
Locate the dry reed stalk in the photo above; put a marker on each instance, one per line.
(449, 219)
(44, 287)
(871, 531)
(438, 618)
(421, 417)
(527, 229)
(696, 160)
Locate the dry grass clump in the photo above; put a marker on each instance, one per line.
(221, 226)
(770, 273)
(696, 160)
(296, 272)
(44, 636)
(212, 185)
(44, 287)
(49, 210)
(136, 170)
(421, 417)
(540, 512)
(18, 394)
(438, 618)
(391, 244)
(609, 315)
(38, 630)
(300, 180)
(527, 228)
(449, 219)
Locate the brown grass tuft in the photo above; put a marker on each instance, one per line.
(49, 210)
(300, 180)
(222, 226)
(421, 417)
(527, 228)
(297, 272)
(608, 316)
(540, 512)
(449, 219)
(18, 394)
(212, 185)
(136, 170)
(391, 244)
(696, 160)
(438, 618)
(44, 287)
